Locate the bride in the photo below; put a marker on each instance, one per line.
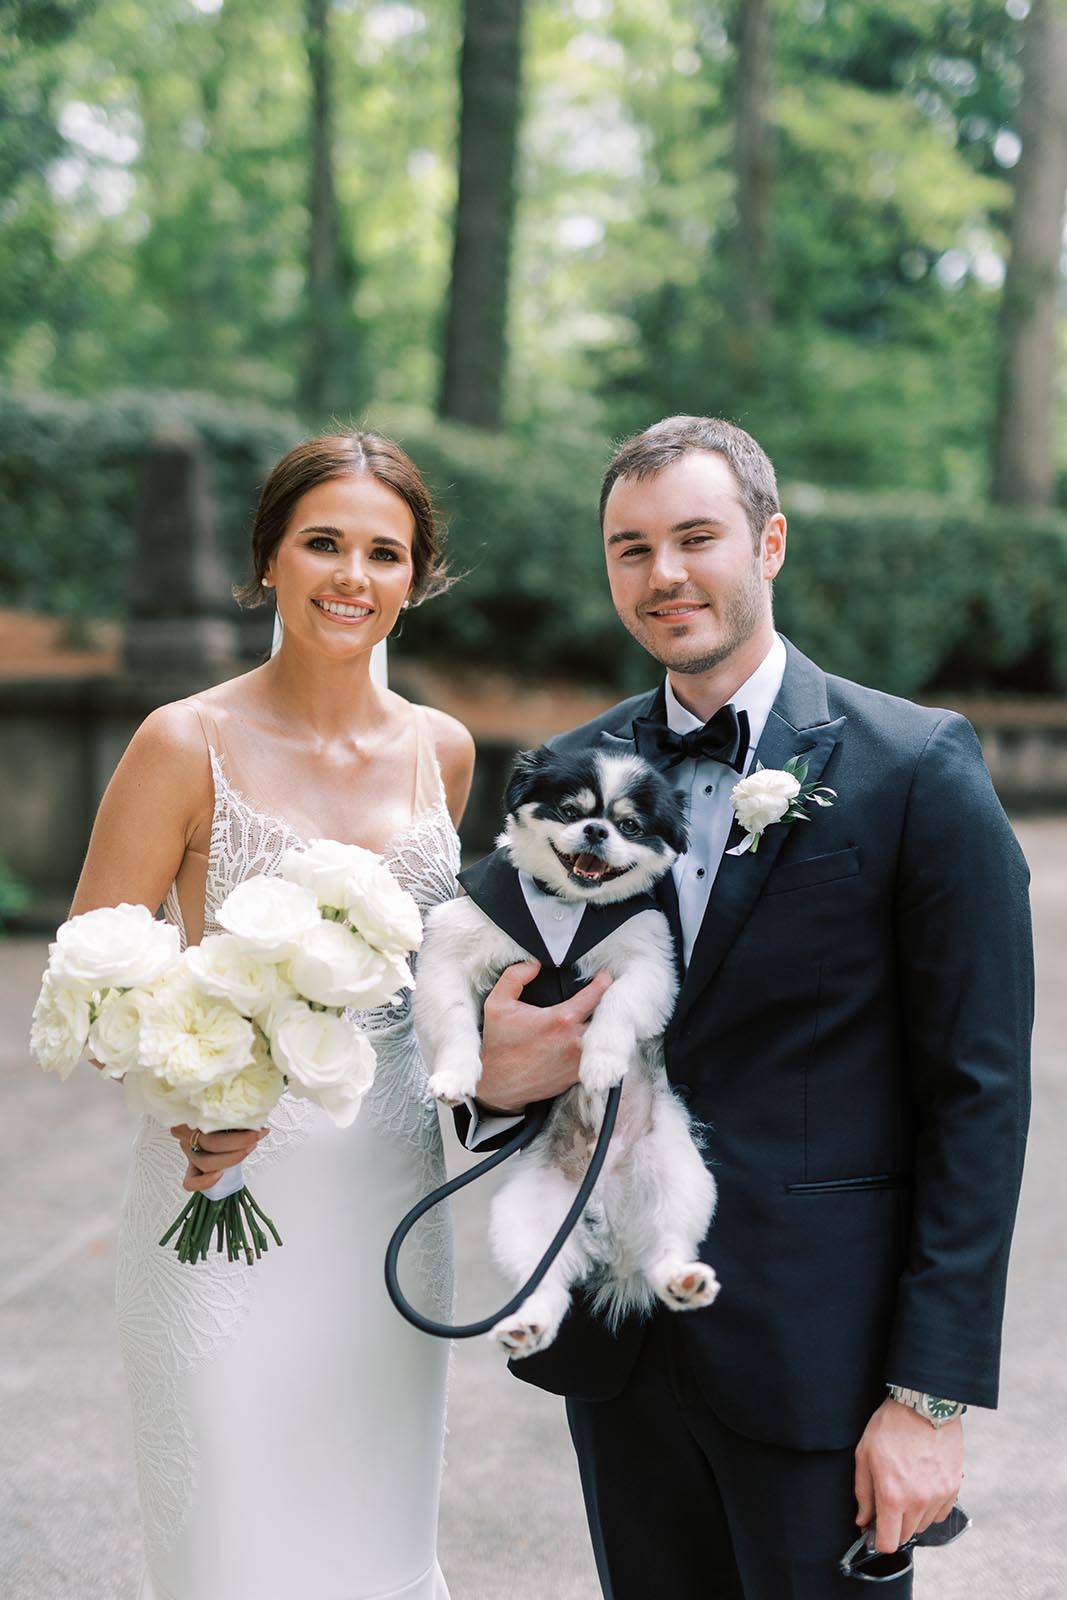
(287, 1424)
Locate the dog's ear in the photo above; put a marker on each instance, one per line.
(529, 764)
(676, 832)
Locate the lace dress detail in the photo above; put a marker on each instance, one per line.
(174, 1319)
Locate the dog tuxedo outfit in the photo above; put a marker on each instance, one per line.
(495, 887)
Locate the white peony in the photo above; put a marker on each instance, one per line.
(325, 868)
(325, 1058)
(154, 1096)
(383, 912)
(244, 1100)
(117, 947)
(60, 1026)
(191, 1038)
(231, 969)
(335, 967)
(763, 797)
(270, 913)
(115, 1034)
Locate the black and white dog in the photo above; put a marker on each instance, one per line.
(596, 830)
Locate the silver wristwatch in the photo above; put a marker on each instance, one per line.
(935, 1410)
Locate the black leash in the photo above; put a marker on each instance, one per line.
(533, 1125)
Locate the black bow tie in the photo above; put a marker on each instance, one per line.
(724, 737)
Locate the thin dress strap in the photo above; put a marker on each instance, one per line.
(429, 785)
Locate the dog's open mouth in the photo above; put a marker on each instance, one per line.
(589, 868)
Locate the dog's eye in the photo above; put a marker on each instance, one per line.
(569, 811)
(628, 826)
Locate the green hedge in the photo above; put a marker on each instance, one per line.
(910, 595)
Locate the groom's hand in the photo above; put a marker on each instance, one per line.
(531, 1052)
(907, 1473)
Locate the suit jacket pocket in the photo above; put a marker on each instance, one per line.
(877, 1180)
(815, 869)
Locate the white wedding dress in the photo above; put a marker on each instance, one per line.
(288, 1424)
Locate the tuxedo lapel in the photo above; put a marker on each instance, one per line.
(598, 921)
(493, 885)
(798, 725)
(621, 738)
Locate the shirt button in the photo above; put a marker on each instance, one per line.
(708, 787)
(559, 915)
(700, 872)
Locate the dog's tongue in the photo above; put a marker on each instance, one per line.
(589, 866)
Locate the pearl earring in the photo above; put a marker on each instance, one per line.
(405, 605)
(265, 584)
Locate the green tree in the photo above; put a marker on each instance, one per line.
(475, 341)
(332, 375)
(1023, 463)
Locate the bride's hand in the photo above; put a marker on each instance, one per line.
(217, 1152)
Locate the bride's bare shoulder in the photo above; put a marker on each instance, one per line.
(169, 754)
(454, 749)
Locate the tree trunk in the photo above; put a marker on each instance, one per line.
(754, 161)
(331, 375)
(1023, 432)
(475, 347)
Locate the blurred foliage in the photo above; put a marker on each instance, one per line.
(154, 167)
(908, 593)
(14, 894)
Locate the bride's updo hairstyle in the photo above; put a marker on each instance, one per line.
(346, 455)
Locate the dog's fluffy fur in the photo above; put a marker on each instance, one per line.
(601, 828)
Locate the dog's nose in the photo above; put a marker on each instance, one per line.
(595, 832)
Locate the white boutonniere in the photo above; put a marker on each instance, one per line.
(770, 795)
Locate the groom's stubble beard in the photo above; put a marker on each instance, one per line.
(740, 612)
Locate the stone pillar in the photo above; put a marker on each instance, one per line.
(182, 623)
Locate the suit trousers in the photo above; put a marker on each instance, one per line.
(680, 1505)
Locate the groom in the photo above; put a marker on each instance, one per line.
(853, 1027)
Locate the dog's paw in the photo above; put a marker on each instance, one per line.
(599, 1070)
(521, 1337)
(689, 1287)
(452, 1085)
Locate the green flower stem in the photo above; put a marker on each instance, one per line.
(176, 1224)
(235, 1223)
(259, 1238)
(258, 1209)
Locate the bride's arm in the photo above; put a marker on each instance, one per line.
(158, 792)
(161, 789)
(455, 757)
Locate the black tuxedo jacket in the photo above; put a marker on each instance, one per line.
(854, 1028)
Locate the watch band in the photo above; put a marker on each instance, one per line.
(933, 1408)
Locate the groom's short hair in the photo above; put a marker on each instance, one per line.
(645, 454)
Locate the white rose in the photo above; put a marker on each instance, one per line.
(335, 967)
(159, 1099)
(383, 912)
(232, 969)
(189, 1037)
(114, 947)
(244, 1100)
(270, 913)
(115, 1034)
(762, 798)
(325, 1058)
(325, 868)
(60, 1026)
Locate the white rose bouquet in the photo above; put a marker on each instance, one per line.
(214, 1036)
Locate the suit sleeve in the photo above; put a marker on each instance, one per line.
(480, 1130)
(965, 960)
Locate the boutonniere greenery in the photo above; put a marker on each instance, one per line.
(770, 795)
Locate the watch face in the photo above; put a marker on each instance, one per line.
(943, 1410)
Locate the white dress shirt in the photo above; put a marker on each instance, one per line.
(707, 786)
